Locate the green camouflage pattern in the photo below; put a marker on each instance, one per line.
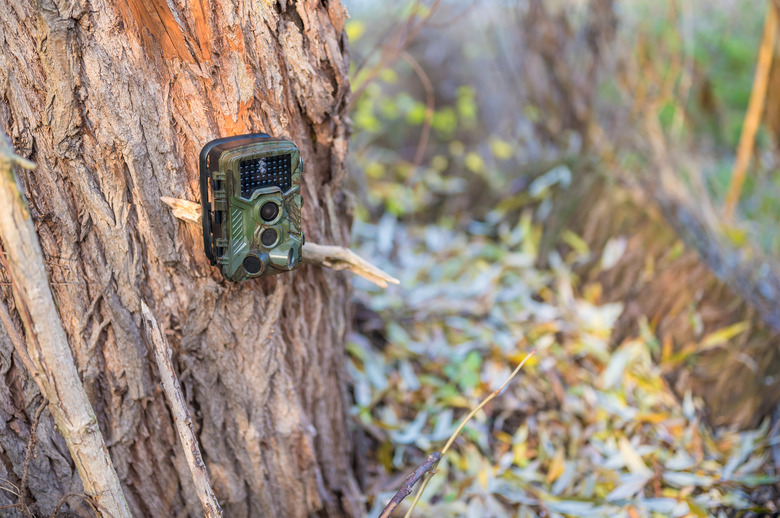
(244, 225)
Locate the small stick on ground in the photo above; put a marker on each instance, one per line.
(460, 427)
(327, 256)
(181, 414)
(408, 485)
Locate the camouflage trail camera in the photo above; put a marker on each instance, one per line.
(250, 188)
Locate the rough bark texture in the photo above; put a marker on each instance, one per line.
(113, 101)
(50, 360)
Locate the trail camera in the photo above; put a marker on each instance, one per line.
(250, 188)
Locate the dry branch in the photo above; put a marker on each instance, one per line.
(408, 485)
(400, 38)
(181, 414)
(340, 258)
(185, 210)
(335, 257)
(430, 105)
(48, 345)
(755, 110)
(431, 471)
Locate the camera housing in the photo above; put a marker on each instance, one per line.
(250, 188)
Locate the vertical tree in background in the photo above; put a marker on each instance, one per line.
(113, 101)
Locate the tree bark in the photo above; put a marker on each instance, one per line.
(113, 101)
(50, 359)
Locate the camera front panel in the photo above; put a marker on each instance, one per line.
(256, 223)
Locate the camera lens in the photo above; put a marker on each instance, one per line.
(268, 237)
(253, 264)
(269, 211)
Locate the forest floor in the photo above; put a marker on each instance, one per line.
(457, 146)
(584, 430)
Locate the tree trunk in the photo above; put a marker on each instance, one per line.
(113, 101)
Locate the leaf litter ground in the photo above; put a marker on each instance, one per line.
(587, 429)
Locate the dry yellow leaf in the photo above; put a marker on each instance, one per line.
(650, 417)
(520, 454)
(502, 436)
(483, 478)
(722, 336)
(556, 467)
(631, 457)
(667, 349)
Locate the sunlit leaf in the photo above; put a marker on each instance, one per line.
(501, 149)
(572, 508)
(617, 365)
(576, 242)
(631, 458)
(724, 335)
(474, 162)
(683, 479)
(556, 466)
(613, 251)
(355, 29)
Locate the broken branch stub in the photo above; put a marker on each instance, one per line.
(326, 256)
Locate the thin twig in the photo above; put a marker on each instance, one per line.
(754, 112)
(327, 256)
(181, 414)
(65, 498)
(462, 424)
(430, 105)
(774, 433)
(28, 456)
(409, 482)
(456, 18)
(402, 37)
(12, 489)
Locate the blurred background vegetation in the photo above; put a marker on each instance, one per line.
(553, 175)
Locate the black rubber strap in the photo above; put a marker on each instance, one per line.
(205, 178)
